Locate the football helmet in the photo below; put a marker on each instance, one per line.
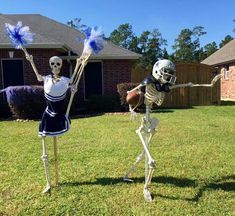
(164, 71)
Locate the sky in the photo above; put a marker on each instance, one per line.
(168, 16)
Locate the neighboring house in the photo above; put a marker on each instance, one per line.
(224, 60)
(102, 73)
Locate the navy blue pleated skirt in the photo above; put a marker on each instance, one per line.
(54, 121)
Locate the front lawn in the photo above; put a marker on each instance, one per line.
(194, 151)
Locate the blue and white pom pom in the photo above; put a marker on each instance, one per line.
(19, 34)
(94, 41)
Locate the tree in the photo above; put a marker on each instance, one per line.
(123, 36)
(165, 54)
(227, 39)
(76, 23)
(134, 44)
(150, 47)
(184, 46)
(187, 45)
(210, 48)
(148, 44)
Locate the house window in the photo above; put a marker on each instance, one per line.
(226, 72)
(12, 72)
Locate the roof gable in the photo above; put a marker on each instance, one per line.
(52, 34)
(223, 55)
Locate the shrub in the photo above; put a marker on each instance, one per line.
(26, 102)
(103, 103)
(122, 89)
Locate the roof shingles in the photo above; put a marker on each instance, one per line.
(52, 34)
(225, 54)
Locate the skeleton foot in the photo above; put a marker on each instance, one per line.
(147, 195)
(47, 190)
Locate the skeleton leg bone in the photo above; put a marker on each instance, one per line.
(56, 161)
(145, 133)
(46, 166)
(150, 166)
(139, 158)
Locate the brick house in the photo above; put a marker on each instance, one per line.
(224, 60)
(102, 73)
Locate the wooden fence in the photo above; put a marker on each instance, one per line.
(187, 97)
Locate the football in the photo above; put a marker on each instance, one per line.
(135, 98)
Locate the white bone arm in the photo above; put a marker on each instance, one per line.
(81, 63)
(77, 70)
(30, 59)
(215, 79)
(137, 87)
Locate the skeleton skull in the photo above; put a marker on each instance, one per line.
(55, 64)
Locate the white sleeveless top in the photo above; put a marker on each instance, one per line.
(55, 91)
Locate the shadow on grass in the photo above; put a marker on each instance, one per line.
(157, 110)
(86, 115)
(225, 183)
(170, 109)
(179, 182)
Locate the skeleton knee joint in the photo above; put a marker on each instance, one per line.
(44, 157)
(152, 164)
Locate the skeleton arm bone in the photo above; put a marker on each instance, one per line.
(30, 59)
(215, 79)
(136, 88)
(80, 64)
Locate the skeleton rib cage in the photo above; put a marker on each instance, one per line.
(153, 96)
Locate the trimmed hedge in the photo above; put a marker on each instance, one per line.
(122, 89)
(26, 102)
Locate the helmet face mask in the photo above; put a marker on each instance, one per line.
(164, 71)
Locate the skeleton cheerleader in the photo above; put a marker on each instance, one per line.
(160, 82)
(55, 120)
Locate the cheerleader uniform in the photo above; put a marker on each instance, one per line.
(54, 120)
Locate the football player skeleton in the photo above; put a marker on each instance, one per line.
(156, 85)
(55, 120)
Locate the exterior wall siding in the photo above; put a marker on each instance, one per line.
(115, 72)
(228, 85)
(41, 58)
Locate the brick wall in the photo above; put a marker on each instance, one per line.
(41, 60)
(228, 85)
(114, 72)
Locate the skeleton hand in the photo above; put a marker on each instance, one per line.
(29, 58)
(74, 88)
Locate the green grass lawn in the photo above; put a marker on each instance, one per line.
(194, 151)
